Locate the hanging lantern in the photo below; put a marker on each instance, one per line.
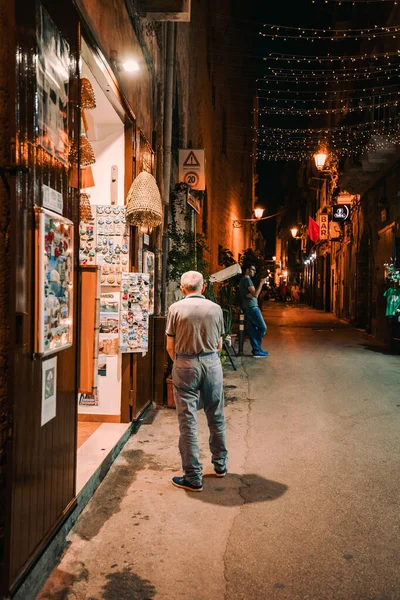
(143, 203)
(88, 99)
(85, 210)
(87, 156)
(258, 212)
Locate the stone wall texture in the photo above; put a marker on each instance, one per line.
(216, 113)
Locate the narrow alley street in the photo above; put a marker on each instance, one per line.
(310, 506)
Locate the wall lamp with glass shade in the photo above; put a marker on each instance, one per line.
(297, 231)
(320, 159)
(129, 65)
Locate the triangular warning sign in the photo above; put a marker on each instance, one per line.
(191, 160)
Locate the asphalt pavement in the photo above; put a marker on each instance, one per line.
(309, 509)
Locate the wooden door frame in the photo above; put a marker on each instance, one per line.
(105, 77)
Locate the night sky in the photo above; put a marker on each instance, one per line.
(302, 13)
(271, 174)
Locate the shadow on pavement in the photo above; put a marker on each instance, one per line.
(125, 584)
(236, 490)
(374, 347)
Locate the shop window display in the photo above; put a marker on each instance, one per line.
(55, 282)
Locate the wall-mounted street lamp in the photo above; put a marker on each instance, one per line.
(298, 231)
(130, 65)
(258, 214)
(320, 159)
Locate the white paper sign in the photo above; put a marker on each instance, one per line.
(52, 199)
(49, 390)
(192, 168)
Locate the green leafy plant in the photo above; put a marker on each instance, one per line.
(250, 257)
(187, 252)
(225, 257)
(392, 274)
(227, 300)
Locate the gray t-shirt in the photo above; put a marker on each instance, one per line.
(244, 285)
(196, 323)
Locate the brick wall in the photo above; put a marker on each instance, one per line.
(217, 114)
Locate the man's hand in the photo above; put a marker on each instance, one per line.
(253, 292)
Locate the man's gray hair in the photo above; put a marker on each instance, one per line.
(192, 281)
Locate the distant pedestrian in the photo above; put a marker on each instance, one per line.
(255, 323)
(195, 327)
(283, 292)
(295, 293)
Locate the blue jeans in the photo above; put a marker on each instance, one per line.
(256, 327)
(190, 375)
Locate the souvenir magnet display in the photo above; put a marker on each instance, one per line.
(112, 243)
(87, 243)
(109, 323)
(134, 313)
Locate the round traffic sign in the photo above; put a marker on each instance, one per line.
(191, 178)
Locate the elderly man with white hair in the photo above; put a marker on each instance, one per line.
(195, 327)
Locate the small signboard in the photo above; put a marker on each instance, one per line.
(323, 227)
(49, 390)
(192, 168)
(341, 212)
(194, 202)
(52, 199)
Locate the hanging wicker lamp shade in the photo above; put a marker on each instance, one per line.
(88, 99)
(144, 206)
(87, 155)
(85, 210)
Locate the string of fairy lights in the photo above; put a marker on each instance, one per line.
(298, 58)
(277, 32)
(345, 101)
(354, 2)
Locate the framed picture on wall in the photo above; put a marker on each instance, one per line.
(54, 279)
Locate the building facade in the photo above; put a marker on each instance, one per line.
(92, 95)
